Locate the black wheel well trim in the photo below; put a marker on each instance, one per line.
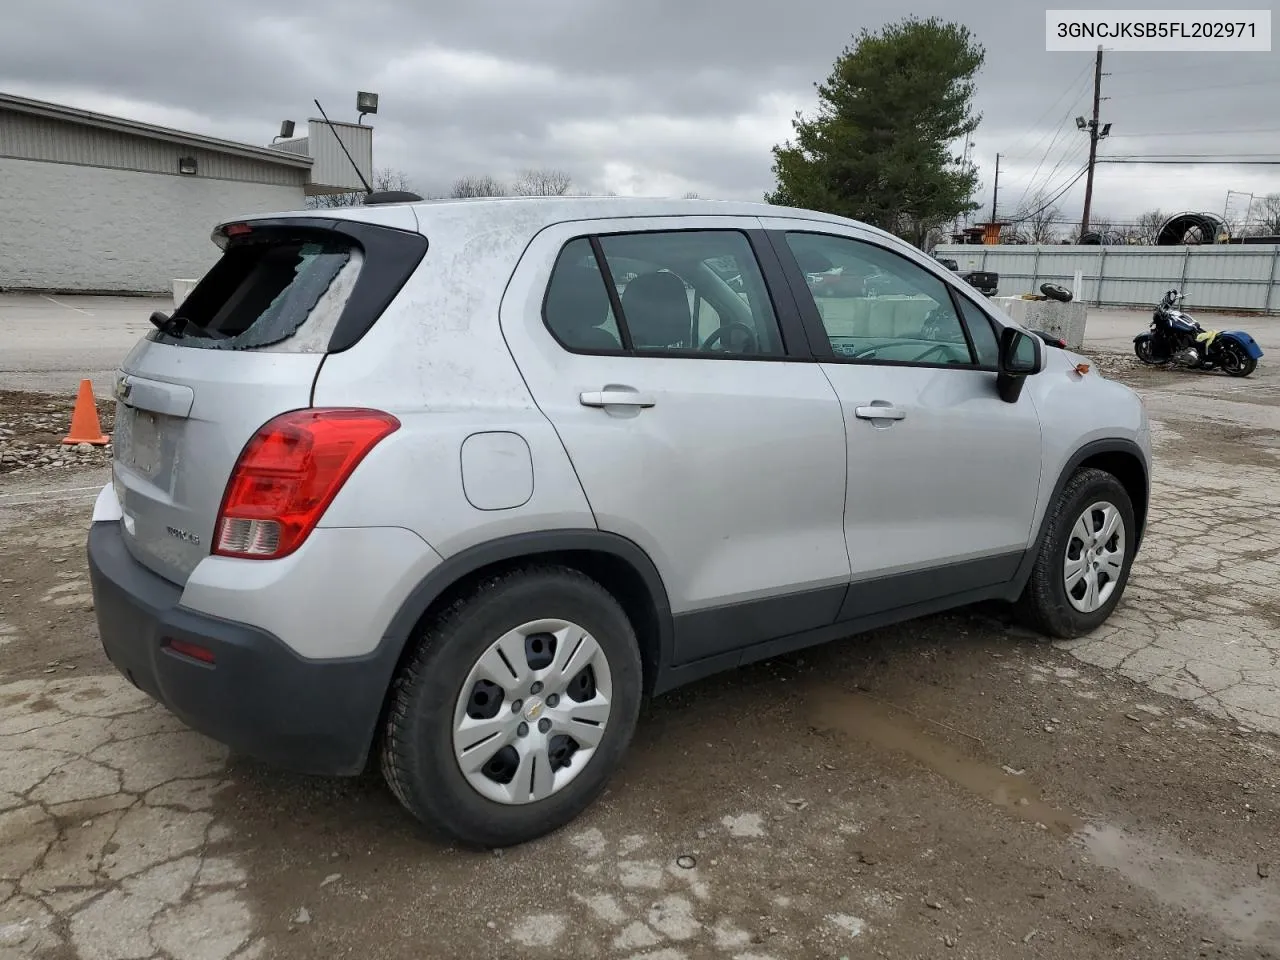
(569, 547)
(1082, 455)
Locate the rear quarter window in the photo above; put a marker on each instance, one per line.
(274, 295)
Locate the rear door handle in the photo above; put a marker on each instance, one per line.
(880, 411)
(615, 398)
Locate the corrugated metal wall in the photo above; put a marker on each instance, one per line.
(26, 137)
(1236, 277)
(332, 171)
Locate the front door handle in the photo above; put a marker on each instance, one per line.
(879, 410)
(615, 398)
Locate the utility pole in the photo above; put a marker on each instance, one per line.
(995, 190)
(1094, 136)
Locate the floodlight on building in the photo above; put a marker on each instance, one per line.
(366, 103)
(286, 130)
(187, 165)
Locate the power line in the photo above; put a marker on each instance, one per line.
(1192, 133)
(1031, 129)
(1195, 163)
(1068, 159)
(1217, 86)
(1164, 68)
(1050, 202)
(1073, 156)
(1194, 156)
(1035, 173)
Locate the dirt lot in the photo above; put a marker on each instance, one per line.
(949, 788)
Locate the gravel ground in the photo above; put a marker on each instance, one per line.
(32, 426)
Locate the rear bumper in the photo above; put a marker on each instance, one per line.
(258, 697)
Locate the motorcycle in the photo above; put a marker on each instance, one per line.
(1176, 338)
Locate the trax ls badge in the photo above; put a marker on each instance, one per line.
(184, 536)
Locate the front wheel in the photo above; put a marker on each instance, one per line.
(1144, 349)
(1235, 360)
(1084, 560)
(515, 707)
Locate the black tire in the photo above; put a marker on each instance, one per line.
(1142, 349)
(1044, 605)
(417, 755)
(1235, 361)
(1055, 292)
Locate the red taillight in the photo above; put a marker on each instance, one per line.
(287, 476)
(237, 229)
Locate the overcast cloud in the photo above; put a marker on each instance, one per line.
(659, 97)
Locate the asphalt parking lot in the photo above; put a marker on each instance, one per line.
(952, 787)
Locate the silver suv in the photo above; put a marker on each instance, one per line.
(456, 484)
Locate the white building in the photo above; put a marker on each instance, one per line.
(97, 204)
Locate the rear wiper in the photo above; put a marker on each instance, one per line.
(170, 326)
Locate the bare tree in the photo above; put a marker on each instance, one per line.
(542, 183)
(1264, 218)
(691, 196)
(1037, 220)
(477, 186)
(1146, 229)
(384, 178)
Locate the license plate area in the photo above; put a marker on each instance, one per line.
(141, 445)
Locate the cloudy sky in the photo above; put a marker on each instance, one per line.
(658, 97)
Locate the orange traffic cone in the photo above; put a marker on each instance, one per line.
(85, 425)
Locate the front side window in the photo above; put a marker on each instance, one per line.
(981, 332)
(877, 306)
(687, 292)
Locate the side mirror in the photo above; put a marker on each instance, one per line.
(1021, 355)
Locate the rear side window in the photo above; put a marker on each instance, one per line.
(686, 293)
(279, 295)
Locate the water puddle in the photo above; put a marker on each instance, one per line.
(1230, 896)
(1222, 893)
(888, 728)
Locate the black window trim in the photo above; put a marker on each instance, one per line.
(796, 347)
(958, 296)
(391, 257)
(820, 341)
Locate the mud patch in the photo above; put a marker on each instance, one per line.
(882, 726)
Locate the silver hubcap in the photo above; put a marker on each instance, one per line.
(1095, 557)
(532, 711)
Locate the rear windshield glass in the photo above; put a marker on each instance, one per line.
(281, 296)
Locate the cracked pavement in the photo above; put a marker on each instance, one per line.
(1200, 618)
(107, 842)
(949, 787)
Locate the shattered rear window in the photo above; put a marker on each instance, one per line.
(274, 295)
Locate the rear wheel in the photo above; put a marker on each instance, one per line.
(1235, 360)
(1084, 560)
(515, 708)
